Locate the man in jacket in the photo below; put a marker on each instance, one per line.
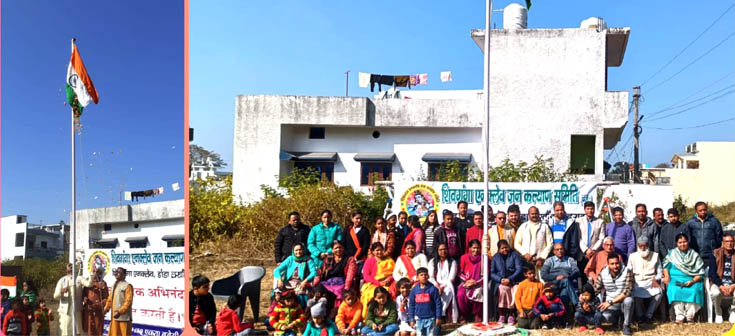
(563, 272)
(706, 232)
(660, 221)
(591, 234)
(294, 232)
(722, 277)
(120, 303)
(534, 239)
(564, 230)
(643, 225)
(451, 235)
(667, 238)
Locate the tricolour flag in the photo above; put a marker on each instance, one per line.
(80, 90)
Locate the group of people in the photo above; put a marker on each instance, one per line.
(543, 274)
(27, 312)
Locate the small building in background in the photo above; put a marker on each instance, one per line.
(21, 239)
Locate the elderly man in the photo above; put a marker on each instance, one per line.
(65, 293)
(621, 233)
(534, 240)
(706, 232)
(614, 285)
(95, 297)
(722, 277)
(591, 233)
(667, 238)
(563, 271)
(647, 273)
(599, 260)
(120, 303)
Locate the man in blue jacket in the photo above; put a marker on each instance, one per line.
(424, 302)
(705, 231)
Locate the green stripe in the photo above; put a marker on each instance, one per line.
(71, 99)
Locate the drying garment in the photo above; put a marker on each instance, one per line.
(175, 186)
(413, 80)
(160, 190)
(364, 79)
(155, 191)
(380, 80)
(128, 197)
(401, 81)
(423, 79)
(135, 194)
(446, 76)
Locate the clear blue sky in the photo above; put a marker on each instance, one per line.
(134, 53)
(304, 48)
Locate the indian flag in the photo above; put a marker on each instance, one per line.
(80, 90)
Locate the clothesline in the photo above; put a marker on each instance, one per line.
(367, 79)
(135, 195)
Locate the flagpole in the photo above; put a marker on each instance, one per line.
(486, 154)
(73, 219)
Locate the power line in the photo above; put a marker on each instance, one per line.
(692, 62)
(688, 45)
(698, 126)
(672, 107)
(693, 107)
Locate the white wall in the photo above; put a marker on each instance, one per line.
(154, 230)
(10, 228)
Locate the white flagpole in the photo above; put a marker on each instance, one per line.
(486, 154)
(73, 219)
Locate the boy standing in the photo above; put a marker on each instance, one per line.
(425, 303)
(15, 322)
(527, 293)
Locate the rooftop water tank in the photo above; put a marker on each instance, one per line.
(594, 23)
(515, 16)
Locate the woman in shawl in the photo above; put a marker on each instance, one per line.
(384, 237)
(416, 235)
(377, 272)
(442, 272)
(469, 291)
(406, 267)
(297, 272)
(338, 272)
(683, 275)
(430, 225)
(506, 273)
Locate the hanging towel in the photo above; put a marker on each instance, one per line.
(446, 76)
(175, 186)
(160, 190)
(423, 79)
(128, 196)
(413, 80)
(364, 79)
(401, 81)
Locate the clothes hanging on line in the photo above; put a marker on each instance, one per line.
(402, 81)
(423, 79)
(364, 79)
(128, 197)
(175, 186)
(446, 76)
(380, 80)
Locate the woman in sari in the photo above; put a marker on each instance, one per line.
(406, 267)
(442, 272)
(377, 272)
(430, 225)
(338, 272)
(384, 237)
(683, 275)
(297, 272)
(469, 291)
(416, 235)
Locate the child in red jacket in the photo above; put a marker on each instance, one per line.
(15, 322)
(229, 323)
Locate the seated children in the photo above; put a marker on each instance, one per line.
(587, 312)
(404, 289)
(527, 293)
(349, 315)
(202, 310)
(287, 318)
(549, 308)
(228, 321)
(15, 322)
(275, 298)
(382, 317)
(43, 318)
(319, 323)
(425, 305)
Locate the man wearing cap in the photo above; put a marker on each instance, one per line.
(614, 285)
(647, 274)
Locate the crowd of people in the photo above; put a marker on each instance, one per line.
(408, 277)
(27, 313)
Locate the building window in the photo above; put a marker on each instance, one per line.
(325, 168)
(107, 227)
(692, 164)
(137, 244)
(44, 244)
(582, 158)
(19, 239)
(371, 172)
(105, 243)
(317, 133)
(436, 170)
(175, 243)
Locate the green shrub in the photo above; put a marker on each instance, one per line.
(43, 273)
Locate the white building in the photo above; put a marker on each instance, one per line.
(155, 224)
(21, 239)
(549, 97)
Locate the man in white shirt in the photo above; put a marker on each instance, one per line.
(533, 239)
(65, 292)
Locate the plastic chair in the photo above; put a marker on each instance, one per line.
(245, 282)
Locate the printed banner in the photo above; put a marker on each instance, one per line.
(157, 277)
(418, 198)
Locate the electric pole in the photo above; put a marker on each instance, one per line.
(636, 134)
(347, 83)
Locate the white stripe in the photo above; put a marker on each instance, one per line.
(78, 85)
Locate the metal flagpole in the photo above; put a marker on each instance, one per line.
(73, 219)
(486, 154)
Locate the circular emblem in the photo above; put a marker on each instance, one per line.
(419, 200)
(96, 260)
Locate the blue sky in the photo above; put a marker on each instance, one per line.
(134, 137)
(304, 48)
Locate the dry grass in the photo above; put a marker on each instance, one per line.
(218, 264)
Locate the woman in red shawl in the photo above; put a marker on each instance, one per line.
(416, 235)
(469, 291)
